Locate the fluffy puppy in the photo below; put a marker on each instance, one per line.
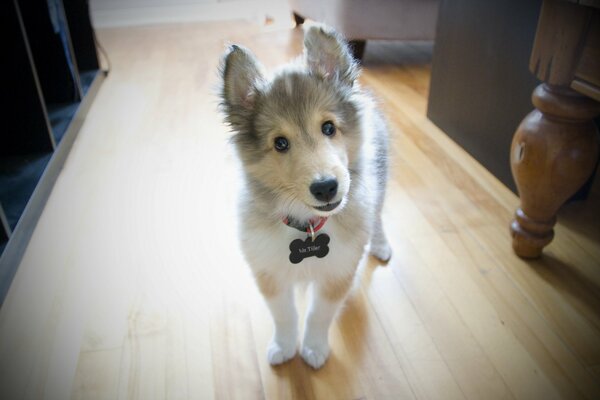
(314, 153)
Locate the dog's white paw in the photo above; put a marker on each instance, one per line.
(382, 251)
(278, 353)
(380, 247)
(315, 356)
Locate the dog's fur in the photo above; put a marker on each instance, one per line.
(294, 103)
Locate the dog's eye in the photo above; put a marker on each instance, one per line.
(281, 144)
(328, 128)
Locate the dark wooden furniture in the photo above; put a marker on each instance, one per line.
(50, 75)
(480, 84)
(555, 148)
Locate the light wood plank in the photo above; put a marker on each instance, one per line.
(426, 368)
(585, 275)
(134, 286)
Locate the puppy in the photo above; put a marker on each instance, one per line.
(314, 153)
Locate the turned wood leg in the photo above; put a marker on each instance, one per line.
(553, 153)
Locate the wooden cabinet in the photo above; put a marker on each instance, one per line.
(491, 60)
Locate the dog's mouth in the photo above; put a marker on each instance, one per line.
(328, 206)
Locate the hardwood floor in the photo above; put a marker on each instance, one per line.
(133, 285)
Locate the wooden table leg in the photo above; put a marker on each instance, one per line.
(553, 153)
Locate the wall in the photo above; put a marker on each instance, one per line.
(112, 13)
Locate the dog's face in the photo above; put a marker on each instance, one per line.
(298, 134)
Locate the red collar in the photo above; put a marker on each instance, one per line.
(315, 223)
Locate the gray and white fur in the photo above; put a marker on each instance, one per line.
(312, 144)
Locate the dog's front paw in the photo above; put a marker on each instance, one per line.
(315, 356)
(278, 353)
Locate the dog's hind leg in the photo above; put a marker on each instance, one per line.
(380, 247)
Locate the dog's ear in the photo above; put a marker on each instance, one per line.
(242, 77)
(328, 54)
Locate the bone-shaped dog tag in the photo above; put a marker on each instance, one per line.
(301, 249)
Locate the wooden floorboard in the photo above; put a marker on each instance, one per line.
(133, 285)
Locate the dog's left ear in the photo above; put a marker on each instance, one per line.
(328, 55)
(242, 77)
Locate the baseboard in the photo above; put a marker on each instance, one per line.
(148, 15)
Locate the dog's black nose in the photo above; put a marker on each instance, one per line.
(324, 190)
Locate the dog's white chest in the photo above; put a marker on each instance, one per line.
(272, 251)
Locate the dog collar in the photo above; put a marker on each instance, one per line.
(313, 226)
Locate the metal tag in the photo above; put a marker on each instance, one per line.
(301, 249)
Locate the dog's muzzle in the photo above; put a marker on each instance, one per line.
(328, 207)
(324, 189)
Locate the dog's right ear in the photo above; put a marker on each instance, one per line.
(242, 77)
(328, 55)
